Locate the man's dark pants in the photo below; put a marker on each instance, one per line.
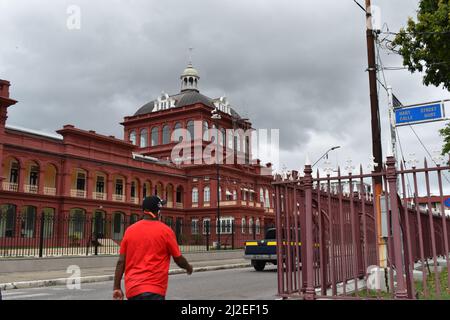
(147, 296)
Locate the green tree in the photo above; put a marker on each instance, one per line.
(425, 43)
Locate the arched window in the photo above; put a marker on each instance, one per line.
(205, 131)
(179, 197)
(28, 227)
(258, 227)
(144, 138)
(76, 225)
(224, 137)
(206, 194)
(234, 195)
(133, 137)
(230, 139)
(190, 129)
(243, 225)
(177, 134)
(261, 195)
(228, 195)
(194, 195)
(267, 202)
(118, 226)
(7, 220)
(166, 134)
(250, 225)
(155, 136)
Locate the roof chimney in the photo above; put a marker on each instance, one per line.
(4, 88)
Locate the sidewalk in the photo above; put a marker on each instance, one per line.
(31, 279)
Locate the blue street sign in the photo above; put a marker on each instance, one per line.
(447, 202)
(419, 114)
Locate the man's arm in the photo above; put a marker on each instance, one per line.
(182, 263)
(120, 268)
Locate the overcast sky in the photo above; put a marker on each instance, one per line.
(298, 66)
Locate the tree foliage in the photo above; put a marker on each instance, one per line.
(425, 43)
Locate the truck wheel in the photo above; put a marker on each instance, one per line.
(259, 265)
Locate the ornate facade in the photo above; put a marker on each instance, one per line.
(85, 174)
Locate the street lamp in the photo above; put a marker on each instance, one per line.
(215, 116)
(325, 154)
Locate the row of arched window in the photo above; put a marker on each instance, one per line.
(152, 140)
(264, 198)
(229, 195)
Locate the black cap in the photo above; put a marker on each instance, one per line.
(153, 204)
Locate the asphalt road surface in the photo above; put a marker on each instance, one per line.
(238, 284)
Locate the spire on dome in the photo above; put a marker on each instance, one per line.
(189, 77)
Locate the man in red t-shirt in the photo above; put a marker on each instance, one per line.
(145, 254)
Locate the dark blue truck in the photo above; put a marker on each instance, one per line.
(261, 252)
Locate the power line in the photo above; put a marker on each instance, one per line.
(424, 32)
(359, 5)
(404, 163)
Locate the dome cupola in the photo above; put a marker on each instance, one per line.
(189, 79)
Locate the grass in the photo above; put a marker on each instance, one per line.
(431, 287)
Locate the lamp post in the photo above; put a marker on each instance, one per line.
(215, 116)
(325, 154)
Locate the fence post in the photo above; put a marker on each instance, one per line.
(41, 235)
(391, 176)
(207, 237)
(232, 235)
(310, 293)
(254, 230)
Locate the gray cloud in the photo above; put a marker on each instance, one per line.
(294, 65)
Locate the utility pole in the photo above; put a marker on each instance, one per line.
(392, 121)
(376, 130)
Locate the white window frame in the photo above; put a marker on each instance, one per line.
(250, 225)
(226, 225)
(267, 199)
(195, 195)
(204, 225)
(243, 225)
(207, 194)
(194, 226)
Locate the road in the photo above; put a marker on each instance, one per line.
(238, 284)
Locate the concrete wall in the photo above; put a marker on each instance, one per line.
(53, 264)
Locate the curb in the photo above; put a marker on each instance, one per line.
(92, 279)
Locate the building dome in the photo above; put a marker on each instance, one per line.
(190, 71)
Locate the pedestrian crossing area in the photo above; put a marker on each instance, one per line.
(41, 294)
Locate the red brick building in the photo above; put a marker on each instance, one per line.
(83, 174)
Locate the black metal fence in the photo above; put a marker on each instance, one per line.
(30, 234)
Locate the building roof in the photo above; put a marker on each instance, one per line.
(185, 98)
(34, 132)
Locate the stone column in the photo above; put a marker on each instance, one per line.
(22, 178)
(110, 188)
(90, 184)
(41, 181)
